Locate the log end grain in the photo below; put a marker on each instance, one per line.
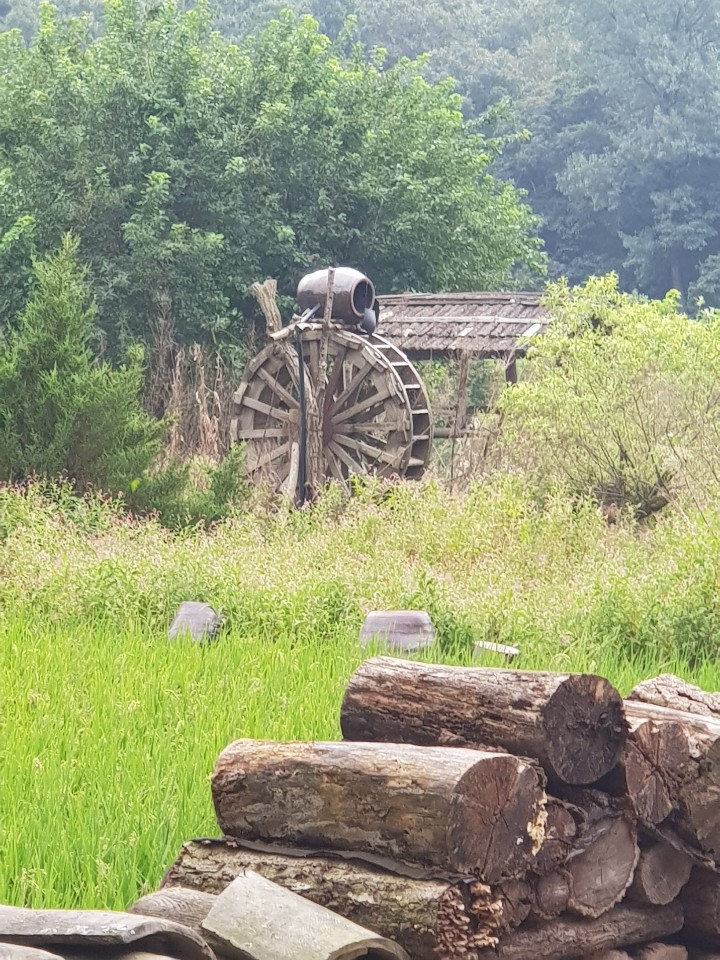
(660, 875)
(602, 873)
(585, 729)
(498, 822)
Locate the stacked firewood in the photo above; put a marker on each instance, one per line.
(485, 814)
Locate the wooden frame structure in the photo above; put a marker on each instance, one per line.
(463, 327)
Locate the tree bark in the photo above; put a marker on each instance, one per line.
(255, 919)
(670, 691)
(565, 938)
(660, 875)
(415, 913)
(572, 724)
(461, 811)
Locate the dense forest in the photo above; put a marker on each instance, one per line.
(619, 98)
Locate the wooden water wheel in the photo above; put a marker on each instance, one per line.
(375, 413)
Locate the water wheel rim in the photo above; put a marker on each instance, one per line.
(419, 401)
(368, 419)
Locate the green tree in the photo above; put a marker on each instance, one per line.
(190, 167)
(60, 412)
(655, 67)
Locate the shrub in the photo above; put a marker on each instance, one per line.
(61, 412)
(621, 401)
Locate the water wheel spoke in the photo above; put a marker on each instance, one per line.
(278, 389)
(376, 454)
(261, 433)
(334, 377)
(333, 463)
(353, 427)
(368, 404)
(285, 416)
(355, 383)
(342, 455)
(271, 456)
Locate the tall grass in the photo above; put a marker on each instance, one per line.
(108, 733)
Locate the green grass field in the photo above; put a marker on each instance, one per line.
(108, 734)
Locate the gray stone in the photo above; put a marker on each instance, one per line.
(405, 631)
(198, 620)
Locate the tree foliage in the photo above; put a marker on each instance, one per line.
(618, 96)
(620, 401)
(190, 167)
(60, 412)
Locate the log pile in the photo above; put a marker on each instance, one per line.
(478, 814)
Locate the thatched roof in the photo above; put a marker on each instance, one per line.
(485, 325)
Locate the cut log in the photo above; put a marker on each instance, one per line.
(699, 729)
(701, 902)
(661, 951)
(461, 811)
(417, 914)
(564, 938)
(514, 898)
(597, 877)
(661, 874)
(255, 919)
(654, 763)
(697, 782)
(600, 862)
(572, 724)
(552, 895)
(561, 829)
(670, 691)
(58, 929)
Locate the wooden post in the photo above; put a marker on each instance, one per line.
(419, 914)
(265, 294)
(462, 400)
(316, 411)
